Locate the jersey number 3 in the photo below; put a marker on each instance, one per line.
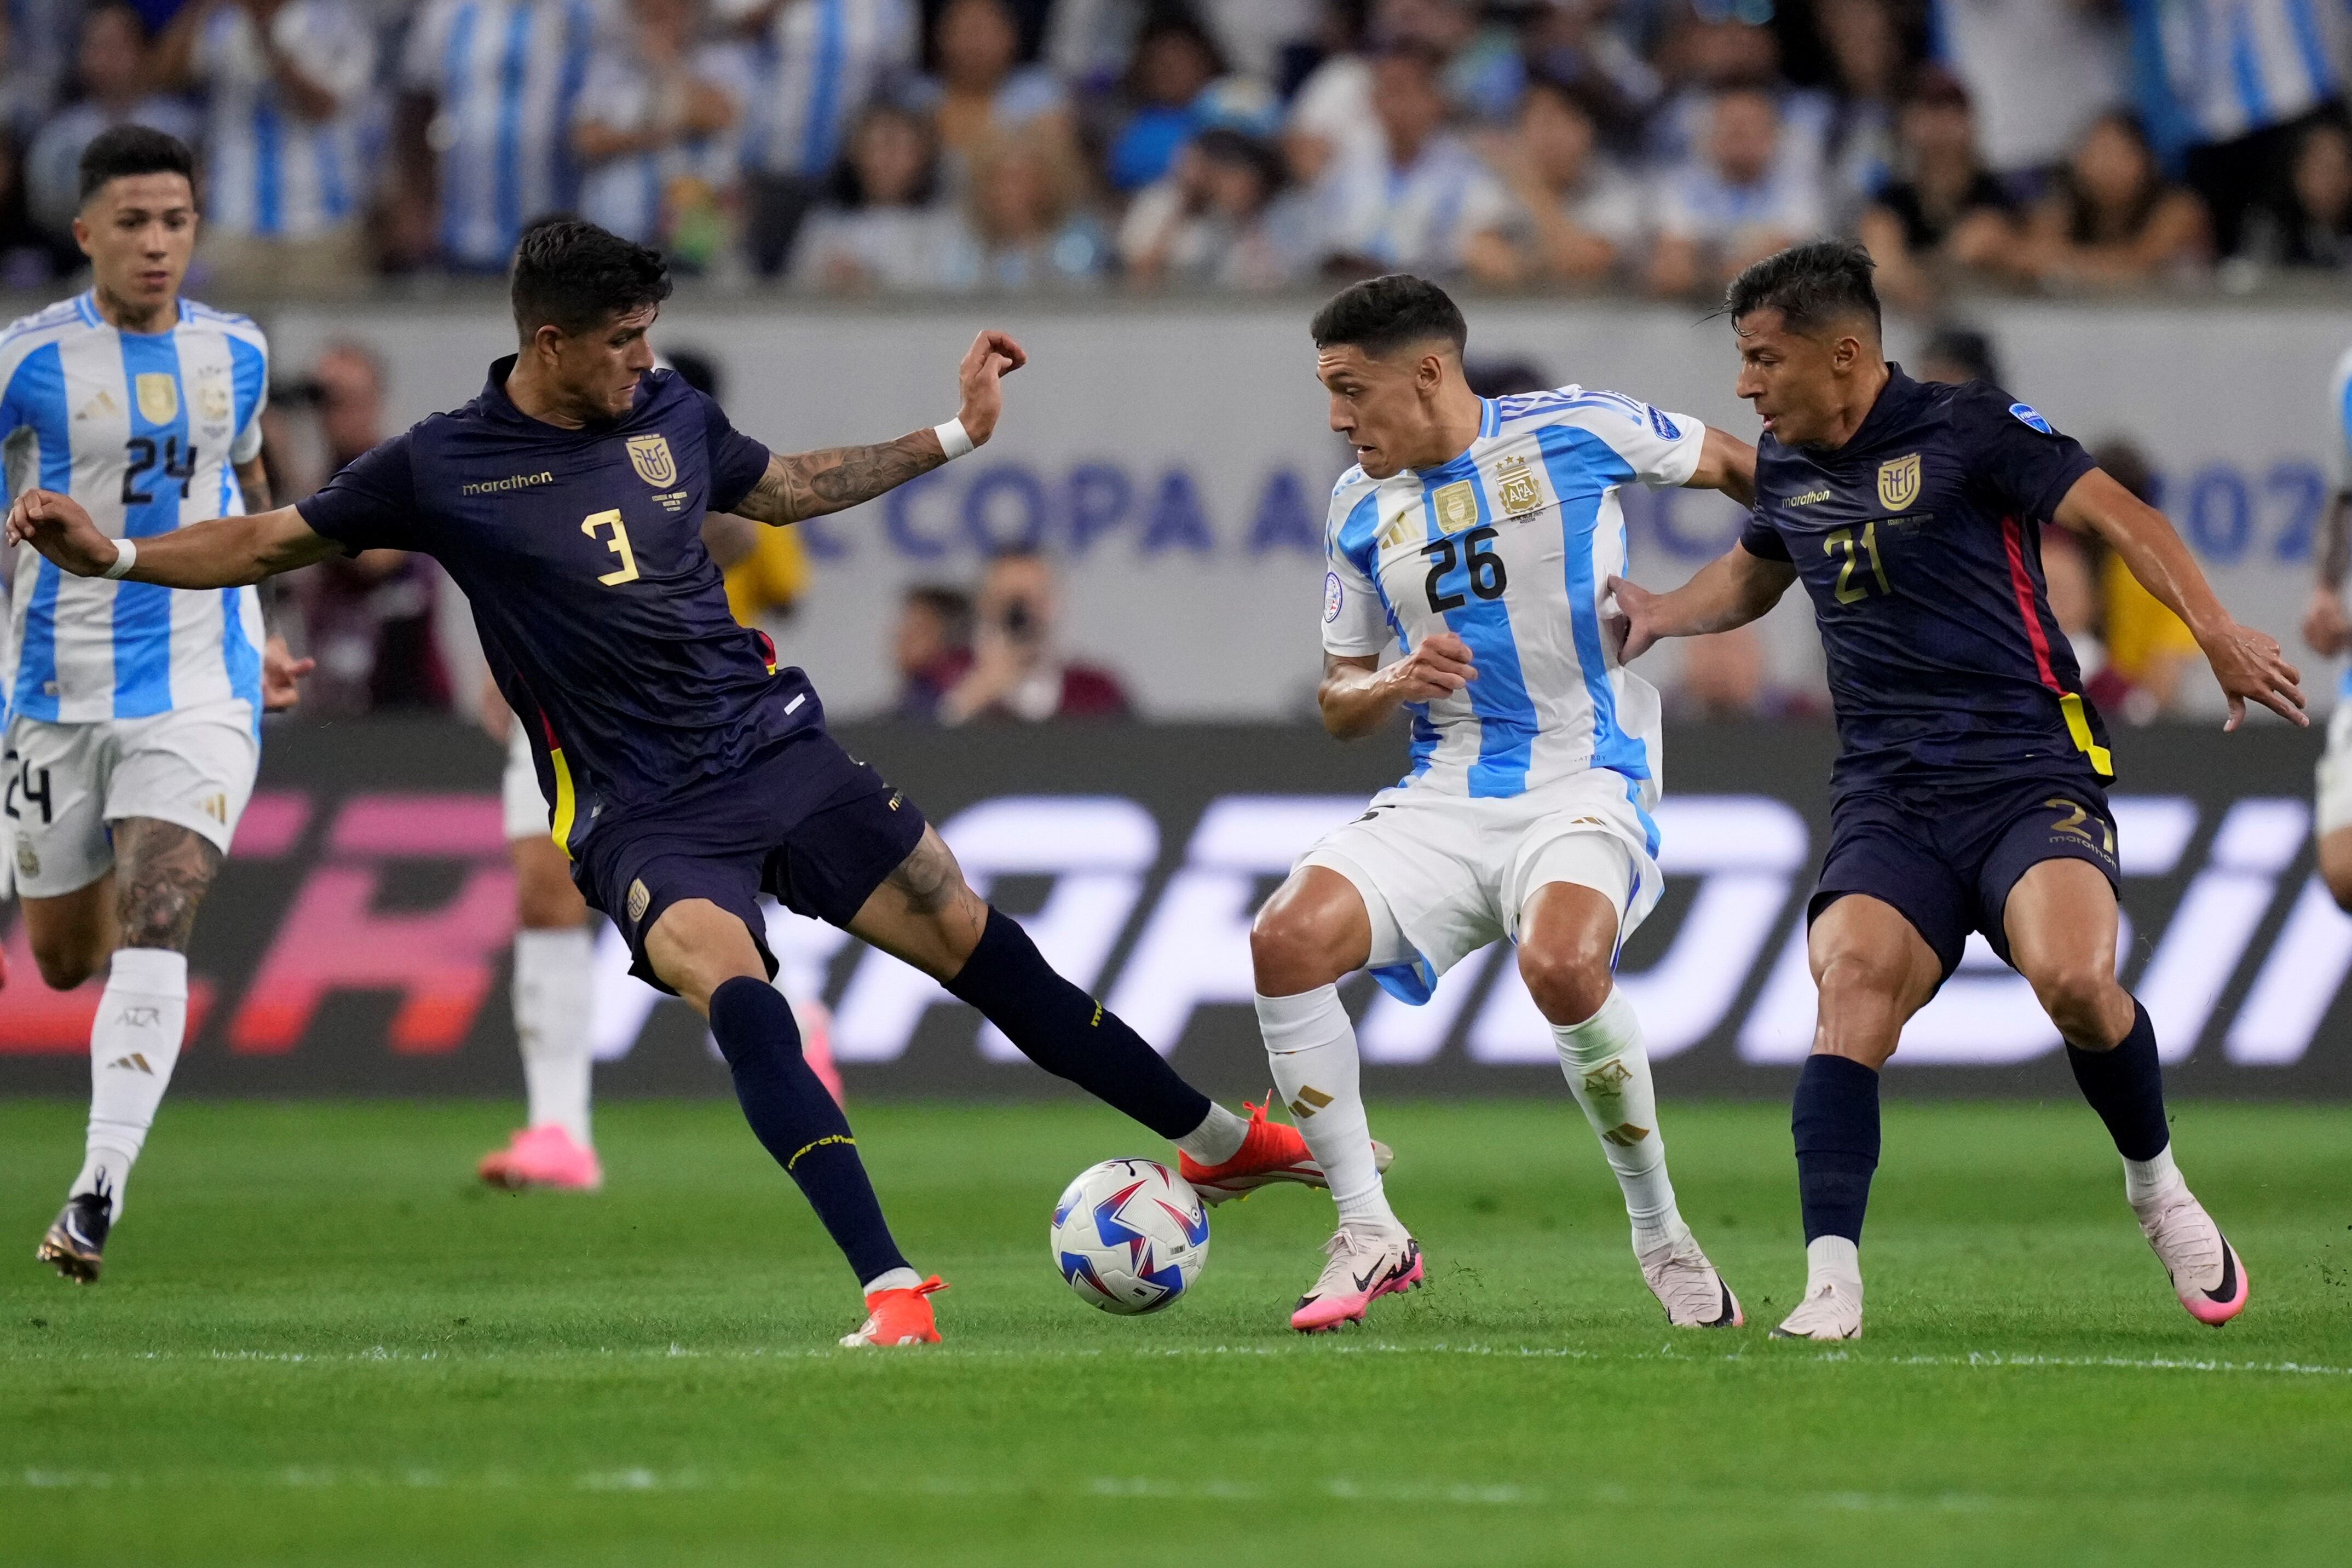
(1487, 578)
(626, 571)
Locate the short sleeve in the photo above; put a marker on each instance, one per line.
(2340, 410)
(737, 462)
(370, 504)
(1761, 539)
(1661, 448)
(247, 446)
(1355, 622)
(2011, 450)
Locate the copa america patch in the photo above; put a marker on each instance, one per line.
(1666, 429)
(2026, 416)
(1334, 595)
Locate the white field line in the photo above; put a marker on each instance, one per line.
(1775, 1357)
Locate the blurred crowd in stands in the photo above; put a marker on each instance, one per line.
(1648, 146)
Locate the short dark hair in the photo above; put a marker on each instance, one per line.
(124, 150)
(1381, 314)
(1809, 284)
(574, 277)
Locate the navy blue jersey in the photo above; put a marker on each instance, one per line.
(1920, 541)
(605, 619)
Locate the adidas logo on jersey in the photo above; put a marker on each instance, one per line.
(102, 404)
(134, 1062)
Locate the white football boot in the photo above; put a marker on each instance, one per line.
(1689, 1287)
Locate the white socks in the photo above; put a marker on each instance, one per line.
(1608, 1073)
(2144, 1180)
(1312, 1047)
(551, 986)
(894, 1280)
(1833, 1260)
(133, 1047)
(1218, 1138)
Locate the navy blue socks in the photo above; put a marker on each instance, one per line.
(1069, 1034)
(798, 1121)
(1836, 1118)
(2126, 1086)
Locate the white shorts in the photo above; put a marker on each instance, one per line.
(1444, 875)
(192, 767)
(2334, 782)
(526, 809)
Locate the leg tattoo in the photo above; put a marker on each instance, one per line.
(162, 874)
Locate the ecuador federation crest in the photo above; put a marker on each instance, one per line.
(159, 397)
(650, 455)
(1516, 484)
(1898, 482)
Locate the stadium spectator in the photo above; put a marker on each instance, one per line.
(1711, 51)
(1331, 109)
(930, 647)
(1175, 61)
(370, 617)
(2314, 230)
(1866, 52)
(981, 91)
(2151, 650)
(1944, 217)
(2039, 72)
(1016, 668)
(111, 78)
(2235, 85)
(1029, 228)
(490, 88)
(1578, 219)
(822, 64)
(2113, 220)
(884, 227)
(288, 172)
(1415, 200)
(1956, 354)
(1582, 44)
(653, 132)
(1741, 202)
(1221, 219)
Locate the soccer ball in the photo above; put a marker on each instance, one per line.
(1130, 1235)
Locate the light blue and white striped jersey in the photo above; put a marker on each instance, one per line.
(269, 172)
(505, 76)
(1510, 546)
(2233, 67)
(2339, 408)
(1416, 218)
(626, 194)
(822, 61)
(144, 430)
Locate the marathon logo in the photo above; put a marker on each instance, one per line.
(511, 482)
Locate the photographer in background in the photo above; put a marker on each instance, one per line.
(1017, 671)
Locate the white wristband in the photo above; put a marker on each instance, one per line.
(953, 441)
(126, 555)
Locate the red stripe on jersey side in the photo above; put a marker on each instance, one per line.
(767, 649)
(2023, 582)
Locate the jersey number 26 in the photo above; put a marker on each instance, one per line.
(1487, 578)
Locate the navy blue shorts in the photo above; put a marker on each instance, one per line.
(805, 822)
(1946, 858)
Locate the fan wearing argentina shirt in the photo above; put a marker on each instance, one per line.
(1480, 535)
(135, 712)
(1970, 788)
(2328, 629)
(686, 771)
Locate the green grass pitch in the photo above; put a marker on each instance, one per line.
(319, 1342)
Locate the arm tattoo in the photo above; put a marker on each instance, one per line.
(811, 484)
(162, 874)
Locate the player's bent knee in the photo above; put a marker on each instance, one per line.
(1569, 985)
(1305, 937)
(2336, 866)
(64, 965)
(696, 947)
(2082, 999)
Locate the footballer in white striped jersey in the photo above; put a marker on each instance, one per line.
(1480, 537)
(135, 710)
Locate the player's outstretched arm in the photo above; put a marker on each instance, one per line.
(226, 553)
(1726, 463)
(811, 484)
(1357, 696)
(1729, 591)
(2248, 663)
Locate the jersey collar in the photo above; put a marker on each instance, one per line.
(1893, 405)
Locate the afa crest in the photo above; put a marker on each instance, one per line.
(1458, 507)
(1516, 486)
(1898, 482)
(159, 397)
(650, 455)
